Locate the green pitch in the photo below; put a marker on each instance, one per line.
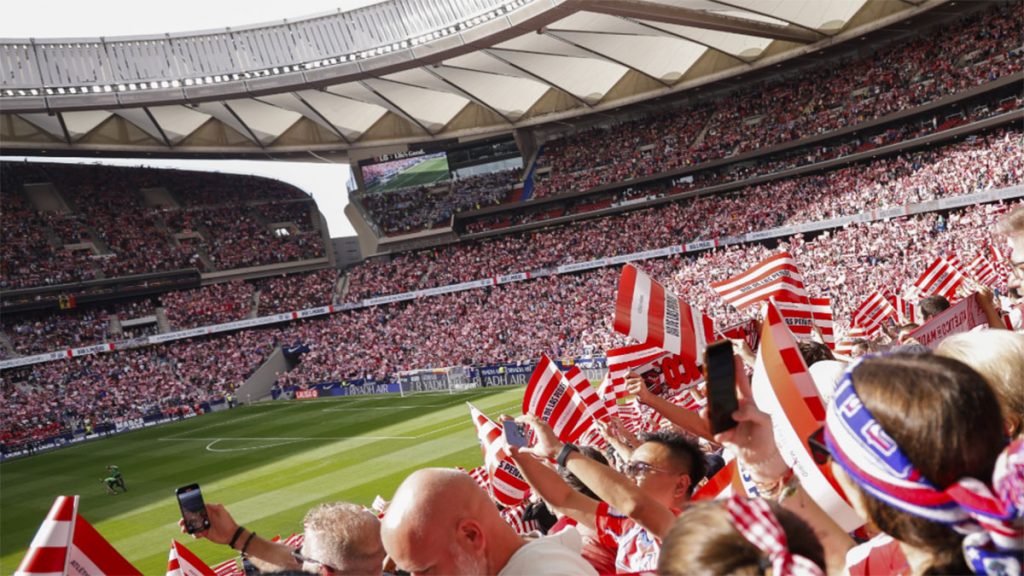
(422, 174)
(268, 463)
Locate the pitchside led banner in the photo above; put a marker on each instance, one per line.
(645, 311)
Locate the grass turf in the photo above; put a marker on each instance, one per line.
(422, 174)
(268, 463)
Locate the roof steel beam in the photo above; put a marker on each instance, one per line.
(655, 12)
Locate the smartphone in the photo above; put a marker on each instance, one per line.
(515, 434)
(721, 385)
(193, 508)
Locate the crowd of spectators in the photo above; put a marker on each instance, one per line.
(980, 49)
(561, 315)
(236, 239)
(40, 332)
(27, 256)
(839, 147)
(977, 163)
(213, 304)
(108, 199)
(296, 291)
(410, 209)
(113, 388)
(120, 233)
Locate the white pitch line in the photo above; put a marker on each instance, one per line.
(282, 440)
(288, 438)
(210, 446)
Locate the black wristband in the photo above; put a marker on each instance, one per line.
(234, 538)
(567, 448)
(247, 541)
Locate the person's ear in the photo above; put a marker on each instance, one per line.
(682, 491)
(472, 535)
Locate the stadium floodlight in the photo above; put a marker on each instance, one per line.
(132, 86)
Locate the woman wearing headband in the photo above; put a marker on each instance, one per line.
(918, 445)
(741, 537)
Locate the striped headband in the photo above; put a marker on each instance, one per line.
(755, 520)
(990, 517)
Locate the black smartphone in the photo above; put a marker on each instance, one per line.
(515, 434)
(721, 385)
(193, 508)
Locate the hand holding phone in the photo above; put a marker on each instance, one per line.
(515, 434)
(193, 508)
(721, 386)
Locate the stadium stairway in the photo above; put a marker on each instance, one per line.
(162, 323)
(255, 311)
(341, 288)
(5, 343)
(114, 327)
(702, 134)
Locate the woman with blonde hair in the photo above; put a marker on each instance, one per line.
(998, 355)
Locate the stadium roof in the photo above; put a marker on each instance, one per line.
(397, 72)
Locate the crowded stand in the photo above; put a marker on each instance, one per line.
(292, 292)
(108, 199)
(104, 199)
(211, 304)
(980, 49)
(408, 210)
(836, 148)
(47, 331)
(651, 469)
(28, 257)
(978, 163)
(236, 239)
(731, 432)
(111, 389)
(569, 315)
(986, 161)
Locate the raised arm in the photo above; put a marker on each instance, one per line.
(614, 488)
(681, 417)
(558, 495)
(224, 529)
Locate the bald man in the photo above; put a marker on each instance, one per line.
(441, 522)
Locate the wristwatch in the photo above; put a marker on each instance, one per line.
(567, 448)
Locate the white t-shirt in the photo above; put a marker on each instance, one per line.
(553, 554)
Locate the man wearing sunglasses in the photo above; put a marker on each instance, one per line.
(340, 538)
(637, 509)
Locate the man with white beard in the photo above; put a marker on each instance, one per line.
(441, 522)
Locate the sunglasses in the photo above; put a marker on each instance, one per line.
(638, 469)
(819, 449)
(307, 560)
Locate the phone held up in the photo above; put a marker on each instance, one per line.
(721, 385)
(515, 433)
(193, 508)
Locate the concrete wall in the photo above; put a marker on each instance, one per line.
(257, 386)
